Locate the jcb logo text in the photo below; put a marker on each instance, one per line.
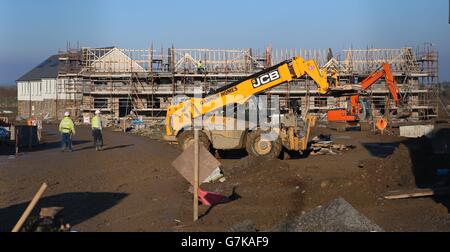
(266, 78)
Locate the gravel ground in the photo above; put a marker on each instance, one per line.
(336, 216)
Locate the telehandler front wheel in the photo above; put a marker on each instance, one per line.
(261, 144)
(186, 138)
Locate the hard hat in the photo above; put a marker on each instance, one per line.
(66, 113)
(97, 112)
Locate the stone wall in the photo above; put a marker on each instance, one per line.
(48, 109)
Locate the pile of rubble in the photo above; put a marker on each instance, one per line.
(49, 220)
(337, 216)
(152, 131)
(322, 145)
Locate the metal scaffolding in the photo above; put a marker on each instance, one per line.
(147, 79)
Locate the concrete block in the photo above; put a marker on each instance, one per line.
(416, 131)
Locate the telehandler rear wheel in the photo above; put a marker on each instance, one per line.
(186, 138)
(259, 146)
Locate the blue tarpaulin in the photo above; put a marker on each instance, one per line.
(4, 133)
(137, 122)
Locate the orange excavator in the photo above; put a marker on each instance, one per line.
(356, 110)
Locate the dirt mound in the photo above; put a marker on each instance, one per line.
(259, 184)
(440, 142)
(398, 167)
(394, 172)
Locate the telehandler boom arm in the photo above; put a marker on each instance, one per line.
(180, 115)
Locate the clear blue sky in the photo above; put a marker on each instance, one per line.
(32, 30)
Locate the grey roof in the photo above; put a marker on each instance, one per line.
(47, 69)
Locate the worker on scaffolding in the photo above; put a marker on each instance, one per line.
(96, 125)
(200, 67)
(67, 130)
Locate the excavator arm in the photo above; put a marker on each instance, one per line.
(387, 74)
(180, 115)
(353, 113)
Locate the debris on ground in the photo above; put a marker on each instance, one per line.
(321, 138)
(214, 176)
(417, 193)
(153, 130)
(49, 220)
(322, 145)
(336, 216)
(25, 215)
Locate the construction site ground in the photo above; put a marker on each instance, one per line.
(131, 185)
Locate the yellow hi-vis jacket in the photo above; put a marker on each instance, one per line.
(96, 123)
(66, 126)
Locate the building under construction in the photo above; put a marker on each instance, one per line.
(143, 82)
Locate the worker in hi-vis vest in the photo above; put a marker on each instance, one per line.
(200, 67)
(96, 124)
(67, 130)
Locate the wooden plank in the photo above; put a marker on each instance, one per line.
(29, 208)
(417, 193)
(196, 168)
(406, 195)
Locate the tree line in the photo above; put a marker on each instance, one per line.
(8, 96)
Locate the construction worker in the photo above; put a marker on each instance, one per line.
(96, 124)
(67, 130)
(200, 67)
